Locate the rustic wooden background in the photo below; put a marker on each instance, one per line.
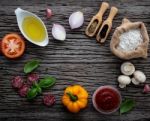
(79, 60)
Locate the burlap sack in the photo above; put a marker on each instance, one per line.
(140, 51)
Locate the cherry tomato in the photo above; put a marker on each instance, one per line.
(12, 46)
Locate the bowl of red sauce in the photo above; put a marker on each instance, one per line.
(106, 99)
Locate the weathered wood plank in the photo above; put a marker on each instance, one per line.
(78, 60)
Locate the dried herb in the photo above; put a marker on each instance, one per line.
(93, 26)
(103, 31)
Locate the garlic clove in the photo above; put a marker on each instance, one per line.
(48, 13)
(127, 68)
(76, 20)
(59, 32)
(146, 88)
(134, 81)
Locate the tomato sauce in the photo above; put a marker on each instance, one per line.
(107, 99)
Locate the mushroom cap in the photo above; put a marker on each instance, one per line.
(127, 68)
(124, 80)
(139, 76)
(135, 82)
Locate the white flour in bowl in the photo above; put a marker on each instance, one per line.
(130, 40)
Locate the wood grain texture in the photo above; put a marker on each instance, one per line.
(78, 60)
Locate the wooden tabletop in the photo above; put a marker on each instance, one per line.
(78, 60)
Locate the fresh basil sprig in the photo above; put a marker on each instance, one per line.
(127, 105)
(30, 66)
(37, 87)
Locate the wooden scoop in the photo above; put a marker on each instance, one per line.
(106, 26)
(96, 20)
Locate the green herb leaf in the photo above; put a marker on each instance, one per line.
(127, 105)
(47, 82)
(32, 93)
(30, 66)
(36, 85)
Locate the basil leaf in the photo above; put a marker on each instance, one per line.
(32, 93)
(47, 82)
(127, 105)
(36, 85)
(30, 66)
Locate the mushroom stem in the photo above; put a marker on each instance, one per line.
(122, 85)
(134, 81)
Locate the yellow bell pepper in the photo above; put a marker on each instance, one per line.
(75, 98)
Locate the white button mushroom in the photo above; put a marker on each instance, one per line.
(123, 81)
(134, 81)
(138, 77)
(127, 68)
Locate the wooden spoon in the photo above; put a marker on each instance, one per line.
(106, 26)
(96, 20)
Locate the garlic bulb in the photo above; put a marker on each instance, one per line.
(59, 32)
(76, 20)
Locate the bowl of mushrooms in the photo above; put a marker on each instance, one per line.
(130, 74)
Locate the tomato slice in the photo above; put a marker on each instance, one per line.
(12, 46)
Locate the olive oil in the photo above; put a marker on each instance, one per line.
(34, 29)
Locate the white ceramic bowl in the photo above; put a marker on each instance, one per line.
(21, 14)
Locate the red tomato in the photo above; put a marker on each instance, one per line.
(12, 46)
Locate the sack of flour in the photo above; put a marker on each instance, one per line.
(130, 40)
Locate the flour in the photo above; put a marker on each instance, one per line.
(130, 40)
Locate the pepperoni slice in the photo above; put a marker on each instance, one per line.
(49, 100)
(17, 82)
(12, 46)
(32, 78)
